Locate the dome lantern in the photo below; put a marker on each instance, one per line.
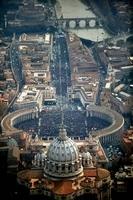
(62, 133)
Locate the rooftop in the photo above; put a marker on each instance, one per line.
(64, 187)
(29, 93)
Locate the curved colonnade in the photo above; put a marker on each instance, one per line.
(16, 117)
(112, 132)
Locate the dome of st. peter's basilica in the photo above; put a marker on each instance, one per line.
(63, 158)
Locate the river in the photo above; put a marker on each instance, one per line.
(76, 9)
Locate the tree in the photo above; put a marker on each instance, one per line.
(3, 107)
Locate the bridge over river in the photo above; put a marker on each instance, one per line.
(77, 17)
(80, 23)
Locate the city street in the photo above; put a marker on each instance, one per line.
(16, 64)
(60, 69)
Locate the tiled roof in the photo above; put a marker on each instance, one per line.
(63, 187)
(101, 173)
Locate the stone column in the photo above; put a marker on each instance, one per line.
(48, 167)
(77, 165)
(66, 168)
(59, 170)
(83, 161)
(38, 162)
(43, 161)
(80, 161)
(53, 167)
(73, 167)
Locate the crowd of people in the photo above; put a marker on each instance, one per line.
(60, 69)
(75, 122)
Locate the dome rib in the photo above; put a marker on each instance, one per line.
(64, 155)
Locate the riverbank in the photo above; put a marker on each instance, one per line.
(76, 9)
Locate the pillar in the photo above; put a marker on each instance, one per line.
(47, 165)
(77, 165)
(77, 23)
(53, 167)
(59, 170)
(83, 162)
(66, 168)
(73, 167)
(80, 161)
